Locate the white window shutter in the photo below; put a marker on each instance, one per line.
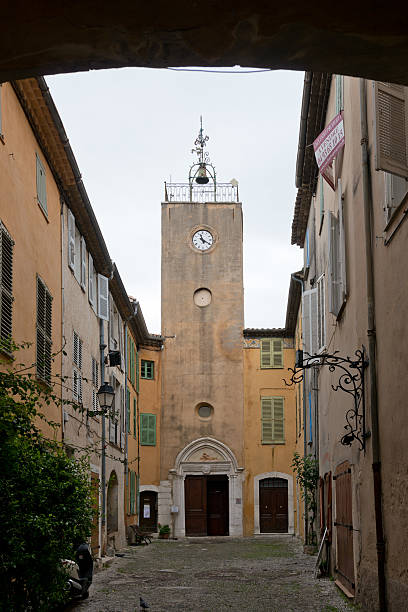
(342, 250)
(83, 262)
(391, 128)
(71, 240)
(103, 297)
(91, 282)
(309, 321)
(333, 279)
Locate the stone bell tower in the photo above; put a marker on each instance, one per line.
(202, 319)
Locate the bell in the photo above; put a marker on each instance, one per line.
(202, 178)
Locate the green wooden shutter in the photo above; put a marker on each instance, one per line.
(137, 372)
(41, 185)
(266, 420)
(272, 420)
(266, 353)
(148, 429)
(278, 419)
(134, 419)
(277, 353)
(128, 410)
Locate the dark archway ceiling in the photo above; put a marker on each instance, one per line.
(358, 38)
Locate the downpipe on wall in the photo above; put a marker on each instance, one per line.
(372, 342)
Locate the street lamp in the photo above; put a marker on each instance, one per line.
(106, 396)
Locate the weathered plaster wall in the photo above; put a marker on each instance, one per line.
(37, 248)
(203, 362)
(267, 458)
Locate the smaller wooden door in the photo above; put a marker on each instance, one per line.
(344, 527)
(195, 495)
(217, 505)
(148, 511)
(273, 505)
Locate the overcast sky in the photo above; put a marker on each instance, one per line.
(134, 128)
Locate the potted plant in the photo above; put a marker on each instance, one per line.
(164, 532)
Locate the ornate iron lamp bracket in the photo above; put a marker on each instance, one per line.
(351, 381)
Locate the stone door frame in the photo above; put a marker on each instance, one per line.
(291, 512)
(226, 465)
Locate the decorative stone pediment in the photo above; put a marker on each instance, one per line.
(205, 454)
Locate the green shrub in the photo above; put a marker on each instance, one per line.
(45, 500)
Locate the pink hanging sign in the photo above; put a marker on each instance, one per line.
(327, 145)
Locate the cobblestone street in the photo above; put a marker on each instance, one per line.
(211, 574)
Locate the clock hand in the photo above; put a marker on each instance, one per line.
(204, 241)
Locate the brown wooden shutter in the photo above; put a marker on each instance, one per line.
(6, 284)
(391, 126)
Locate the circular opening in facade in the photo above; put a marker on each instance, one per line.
(204, 411)
(202, 297)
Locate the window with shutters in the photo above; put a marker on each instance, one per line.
(321, 313)
(91, 282)
(77, 386)
(77, 350)
(83, 263)
(272, 420)
(309, 321)
(77, 370)
(44, 332)
(391, 128)
(95, 384)
(127, 410)
(339, 79)
(147, 369)
(134, 419)
(395, 190)
(6, 286)
(71, 240)
(103, 297)
(337, 277)
(148, 429)
(41, 185)
(271, 353)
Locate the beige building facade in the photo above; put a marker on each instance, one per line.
(355, 294)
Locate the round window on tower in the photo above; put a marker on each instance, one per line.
(204, 410)
(202, 297)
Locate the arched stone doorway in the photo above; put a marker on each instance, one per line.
(275, 489)
(112, 504)
(212, 469)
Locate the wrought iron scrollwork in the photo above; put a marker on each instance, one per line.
(351, 381)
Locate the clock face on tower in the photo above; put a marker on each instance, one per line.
(202, 240)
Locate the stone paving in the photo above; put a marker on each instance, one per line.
(211, 574)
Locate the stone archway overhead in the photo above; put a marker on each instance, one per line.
(52, 37)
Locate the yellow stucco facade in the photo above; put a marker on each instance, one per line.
(267, 456)
(35, 230)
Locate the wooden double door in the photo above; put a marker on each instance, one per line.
(273, 505)
(206, 505)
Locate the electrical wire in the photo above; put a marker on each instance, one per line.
(219, 71)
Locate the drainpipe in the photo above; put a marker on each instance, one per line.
(299, 280)
(372, 345)
(102, 347)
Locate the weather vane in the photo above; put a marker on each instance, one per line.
(202, 170)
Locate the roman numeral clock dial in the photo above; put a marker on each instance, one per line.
(202, 240)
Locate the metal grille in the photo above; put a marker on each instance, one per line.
(183, 192)
(273, 483)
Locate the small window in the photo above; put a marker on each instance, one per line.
(271, 353)
(272, 420)
(321, 313)
(41, 185)
(148, 429)
(147, 369)
(44, 329)
(77, 351)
